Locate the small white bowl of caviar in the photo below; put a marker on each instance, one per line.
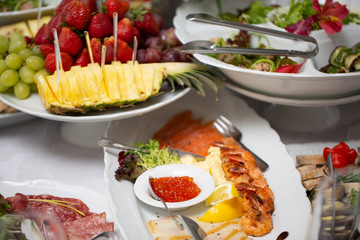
(180, 186)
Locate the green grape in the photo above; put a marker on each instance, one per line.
(4, 44)
(26, 74)
(22, 90)
(13, 61)
(36, 50)
(39, 73)
(16, 36)
(15, 47)
(3, 66)
(9, 77)
(33, 87)
(25, 53)
(3, 88)
(35, 63)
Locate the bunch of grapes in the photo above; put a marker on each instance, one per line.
(20, 66)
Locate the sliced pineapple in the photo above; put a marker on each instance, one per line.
(95, 88)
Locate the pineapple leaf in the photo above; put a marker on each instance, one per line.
(172, 83)
(196, 84)
(209, 82)
(184, 79)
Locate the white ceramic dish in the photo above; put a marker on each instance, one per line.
(308, 84)
(8, 119)
(95, 201)
(292, 207)
(18, 16)
(202, 179)
(292, 101)
(34, 106)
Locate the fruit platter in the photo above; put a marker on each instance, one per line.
(309, 84)
(96, 63)
(141, 216)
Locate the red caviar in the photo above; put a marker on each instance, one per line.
(175, 189)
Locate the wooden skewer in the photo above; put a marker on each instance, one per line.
(39, 14)
(103, 56)
(87, 38)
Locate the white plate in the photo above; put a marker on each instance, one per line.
(292, 101)
(34, 106)
(18, 16)
(308, 84)
(201, 178)
(95, 201)
(8, 119)
(292, 207)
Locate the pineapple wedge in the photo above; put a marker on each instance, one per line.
(95, 88)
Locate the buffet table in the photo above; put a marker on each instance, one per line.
(39, 149)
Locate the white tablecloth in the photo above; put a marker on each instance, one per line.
(36, 150)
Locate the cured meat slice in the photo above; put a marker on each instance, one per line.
(63, 213)
(19, 202)
(85, 222)
(86, 227)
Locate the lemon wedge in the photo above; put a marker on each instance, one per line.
(222, 192)
(224, 211)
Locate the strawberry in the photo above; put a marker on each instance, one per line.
(69, 41)
(100, 26)
(50, 62)
(91, 5)
(46, 49)
(96, 49)
(56, 23)
(42, 36)
(76, 14)
(109, 44)
(124, 51)
(126, 31)
(119, 6)
(61, 6)
(83, 59)
(145, 22)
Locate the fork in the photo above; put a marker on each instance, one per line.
(228, 129)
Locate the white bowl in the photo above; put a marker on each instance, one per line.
(202, 179)
(310, 83)
(18, 16)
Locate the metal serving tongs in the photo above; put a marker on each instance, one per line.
(204, 47)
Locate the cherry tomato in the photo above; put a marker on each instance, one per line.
(339, 160)
(341, 155)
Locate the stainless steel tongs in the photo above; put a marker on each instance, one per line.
(204, 47)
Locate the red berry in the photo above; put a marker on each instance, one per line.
(126, 31)
(146, 23)
(96, 49)
(42, 36)
(55, 22)
(83, 59)
(100, 26)
(119, 6)
(46, 49)
(69, 41)
(76, 14)
(50, 62)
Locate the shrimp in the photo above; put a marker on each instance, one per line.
(258, 204)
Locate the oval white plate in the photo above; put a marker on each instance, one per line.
(292, 207)
(34, 106)
(202, 179)
(310, 83)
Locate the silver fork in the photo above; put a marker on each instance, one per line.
(228, 129)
